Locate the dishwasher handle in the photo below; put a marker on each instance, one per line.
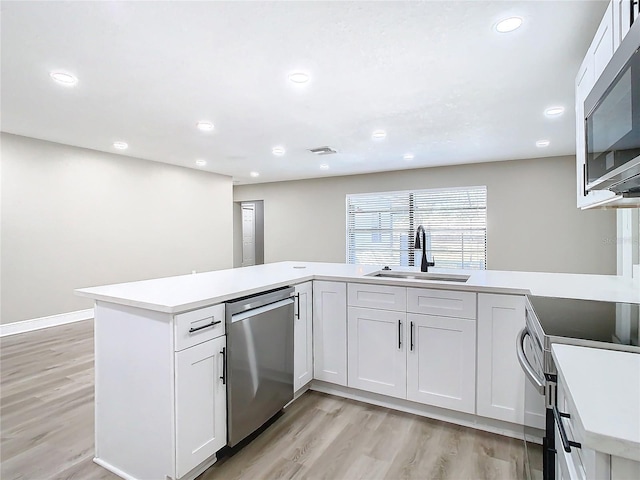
(257, 311)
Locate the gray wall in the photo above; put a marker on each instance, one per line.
(533, 222)
(73, 218)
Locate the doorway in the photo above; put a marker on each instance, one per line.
(248, 233)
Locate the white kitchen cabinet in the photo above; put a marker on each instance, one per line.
(444, 303)
(383, 297)
(377, 351)
(501, 381)
(441, 361)
(159, 399)
(600, 51)
(621, 12)
(330, 332)
(579, 463)
(584, 462)
(423, 358)
(201, 404)
(602, 46)
(303, 336)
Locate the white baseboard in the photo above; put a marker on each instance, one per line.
(44, 322)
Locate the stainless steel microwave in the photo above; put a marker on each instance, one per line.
(612, 123)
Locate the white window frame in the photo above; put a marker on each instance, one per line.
(414, 255)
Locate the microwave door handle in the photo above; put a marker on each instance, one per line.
(524, 363)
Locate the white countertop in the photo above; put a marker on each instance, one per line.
(604, 387)
(187, 292)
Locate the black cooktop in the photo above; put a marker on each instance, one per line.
(607, 322)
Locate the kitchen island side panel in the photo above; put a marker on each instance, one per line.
(134, 391)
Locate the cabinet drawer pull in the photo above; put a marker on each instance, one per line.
(191, 330)
(566, 443)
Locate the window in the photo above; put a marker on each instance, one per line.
(381, 227)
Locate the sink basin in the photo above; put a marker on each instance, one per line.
(438, 277)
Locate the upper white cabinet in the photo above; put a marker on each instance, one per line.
(330, 332)
(621, 12)
(613, 27)
(601, 49)
(303, 341)
(377, 351)
(598, 55)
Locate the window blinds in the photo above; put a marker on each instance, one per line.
(381, 227)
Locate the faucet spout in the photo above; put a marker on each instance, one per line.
(424, 264)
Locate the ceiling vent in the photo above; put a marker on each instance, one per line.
(322, 151)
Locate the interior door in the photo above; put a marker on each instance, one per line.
(248, 234)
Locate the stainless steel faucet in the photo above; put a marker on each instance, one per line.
(424, 264)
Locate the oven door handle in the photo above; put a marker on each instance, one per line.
(524, 363)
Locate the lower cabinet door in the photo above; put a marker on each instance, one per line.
(330, 332)
(501, 381)
(376, 351)
(201, 416)
(441, 361)
(303, 338)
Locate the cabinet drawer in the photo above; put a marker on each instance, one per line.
(446, 303)
(382, 297)
(198, 326)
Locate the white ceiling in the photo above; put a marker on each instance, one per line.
(435, 75)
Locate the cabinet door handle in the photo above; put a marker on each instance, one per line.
(411, 331)
(191, 330)
(298, 309)
(399, 333)
(566, 443)
(224, 366)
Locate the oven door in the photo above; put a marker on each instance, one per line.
(529, 351)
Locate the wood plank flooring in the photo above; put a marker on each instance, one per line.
(46, 425)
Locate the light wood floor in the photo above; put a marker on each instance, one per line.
(46, 421)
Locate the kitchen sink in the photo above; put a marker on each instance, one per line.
(438, 277)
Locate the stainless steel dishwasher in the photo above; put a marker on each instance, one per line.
(259, 360)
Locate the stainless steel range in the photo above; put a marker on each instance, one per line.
(587, 323)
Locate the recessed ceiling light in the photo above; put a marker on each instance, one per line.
(299, 77)
(254, 174)
(408, 156)
(542, 143)
(324, 166)
(120, 145)
(554, 111)
(509, 24)
(205, 126)
(64, 78)
(379, 134)
(279, 151)
(201, 163)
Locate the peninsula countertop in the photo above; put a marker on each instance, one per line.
(187, 292)
(604, 387)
